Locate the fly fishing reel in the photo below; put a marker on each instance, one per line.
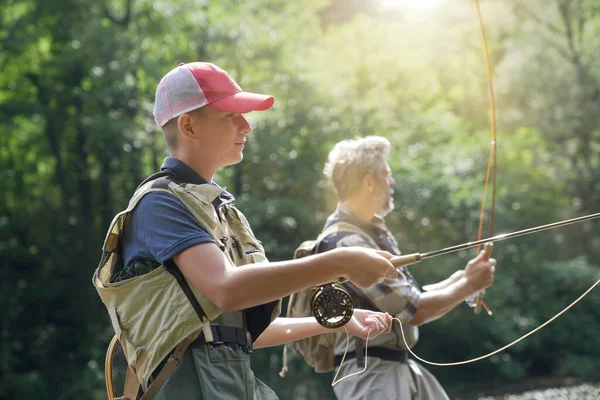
(331, 305)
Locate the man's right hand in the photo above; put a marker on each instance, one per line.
(479, 272)
(362, 266)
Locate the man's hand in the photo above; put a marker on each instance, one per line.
(480, 273)
(362, 266)
(368, 323)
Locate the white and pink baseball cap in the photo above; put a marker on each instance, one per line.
(198, 84)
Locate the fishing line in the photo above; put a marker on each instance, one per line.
(451, 364)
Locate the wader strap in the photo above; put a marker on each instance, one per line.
(226, 334)
(169, 367)
(377, 352)
(359, 350)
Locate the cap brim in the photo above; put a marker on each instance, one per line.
(243, 102)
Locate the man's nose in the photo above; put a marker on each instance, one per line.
(244, 126)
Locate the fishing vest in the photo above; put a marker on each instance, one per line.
(150, 313)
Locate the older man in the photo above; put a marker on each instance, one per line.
(363, 182)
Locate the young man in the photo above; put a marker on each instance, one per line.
(181, 264)
(362, 180)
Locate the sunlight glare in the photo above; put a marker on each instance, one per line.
(416, 5)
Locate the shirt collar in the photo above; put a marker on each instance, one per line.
(185, 173)
(375, 227)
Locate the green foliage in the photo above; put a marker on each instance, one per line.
(77, 136)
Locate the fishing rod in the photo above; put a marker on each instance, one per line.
(332, 304)
(403, 261)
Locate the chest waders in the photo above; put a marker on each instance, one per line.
(158, 314)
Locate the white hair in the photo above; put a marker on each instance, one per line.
(351, 160)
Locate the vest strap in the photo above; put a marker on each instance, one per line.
(185, 286)
(345, 227)
(161, 174)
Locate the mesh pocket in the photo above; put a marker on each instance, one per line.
(118, 370)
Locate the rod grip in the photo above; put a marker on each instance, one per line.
(403, 261)
(487, 253)
(487, 248)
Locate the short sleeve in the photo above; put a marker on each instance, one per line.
(159, 228)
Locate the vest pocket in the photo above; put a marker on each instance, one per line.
(244, 243)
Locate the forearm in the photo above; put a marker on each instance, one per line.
(254, 284)
(477, 275)
(446, 282)
(287, 330)
(437, 303)
(234, 288)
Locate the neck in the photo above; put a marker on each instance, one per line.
(358, 207)
(200, 164)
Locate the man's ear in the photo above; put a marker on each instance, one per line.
(368, 183)
(184, 125)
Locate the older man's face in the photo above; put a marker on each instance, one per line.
(383, 196)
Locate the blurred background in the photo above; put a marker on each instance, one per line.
(77, 136)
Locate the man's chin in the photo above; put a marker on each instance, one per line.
(233, 161)
(383, 213)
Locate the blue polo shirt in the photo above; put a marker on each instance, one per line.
(160, 226)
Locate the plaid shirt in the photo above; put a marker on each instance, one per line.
(398, 297)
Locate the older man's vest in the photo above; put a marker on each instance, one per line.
(150, 313)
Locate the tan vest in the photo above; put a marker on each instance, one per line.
(150, 313)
